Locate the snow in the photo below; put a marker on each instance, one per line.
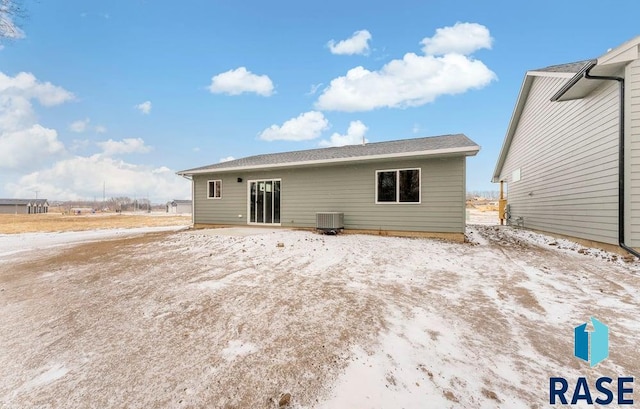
(228, 318)
(52, 374)
(238, 348)
(27, 242)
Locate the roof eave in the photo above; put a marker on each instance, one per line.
(525, 88)
(462, 151)
(607, 64)
(573, 81)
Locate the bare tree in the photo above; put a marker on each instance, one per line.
(10, 12)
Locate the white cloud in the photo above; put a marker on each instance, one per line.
(16, 111)
(79, 144)
(25, 144)
(82, 178)
(196, 149)
(313, 89)
(25, 85)
(358, 43)
(227, 159)
(462, 38)
(8, 28)
(144, 107)
(354, 136)
(29, 147)
(412, 81)
(127, 145)
(306, 126)
(238, 81)
(80, 125)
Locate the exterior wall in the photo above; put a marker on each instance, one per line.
(179, 208)
(13, 209)
(345, 188)
(567, 153)
(183, 208)
(632, 154)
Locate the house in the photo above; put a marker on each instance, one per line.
(403, 187)
(571, 155)
(23, 206)
(179, 207)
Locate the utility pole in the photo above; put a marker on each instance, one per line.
(37, 194)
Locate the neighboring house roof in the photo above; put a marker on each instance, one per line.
(435, 145)
(571, 67)
(576, 86)
(177, 202)
(23, 202)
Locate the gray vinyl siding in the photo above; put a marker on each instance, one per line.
(632, 154)
(348, 188)
(567, 153)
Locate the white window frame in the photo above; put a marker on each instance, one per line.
(216, 182)
(398, 202)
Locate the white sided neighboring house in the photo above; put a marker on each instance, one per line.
(412, 187)
(571, 156)
(180, 207)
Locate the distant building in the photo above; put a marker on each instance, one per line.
(24, 206)
(82, 210)
(179, 206)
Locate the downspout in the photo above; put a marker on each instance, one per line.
(620, 157)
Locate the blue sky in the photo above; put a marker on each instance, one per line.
(129, 92)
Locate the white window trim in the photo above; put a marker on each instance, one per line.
(217, 181)
(398, 202)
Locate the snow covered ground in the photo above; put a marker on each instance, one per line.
(30, 242)
(216, 319)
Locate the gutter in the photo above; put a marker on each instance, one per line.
(573, 81)
(584, 73)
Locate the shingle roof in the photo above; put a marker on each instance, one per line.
(176, 202)
(22, 202)
(458, 143)
(571, 67)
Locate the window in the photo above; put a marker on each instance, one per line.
(398, 186)
(214, 189)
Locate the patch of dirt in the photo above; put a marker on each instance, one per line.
(56, 222)
(490, 394)
(450, 396)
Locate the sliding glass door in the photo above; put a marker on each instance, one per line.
(264, 201)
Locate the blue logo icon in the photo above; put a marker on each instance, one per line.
(591, 347)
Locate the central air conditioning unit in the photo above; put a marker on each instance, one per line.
(330, 222)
